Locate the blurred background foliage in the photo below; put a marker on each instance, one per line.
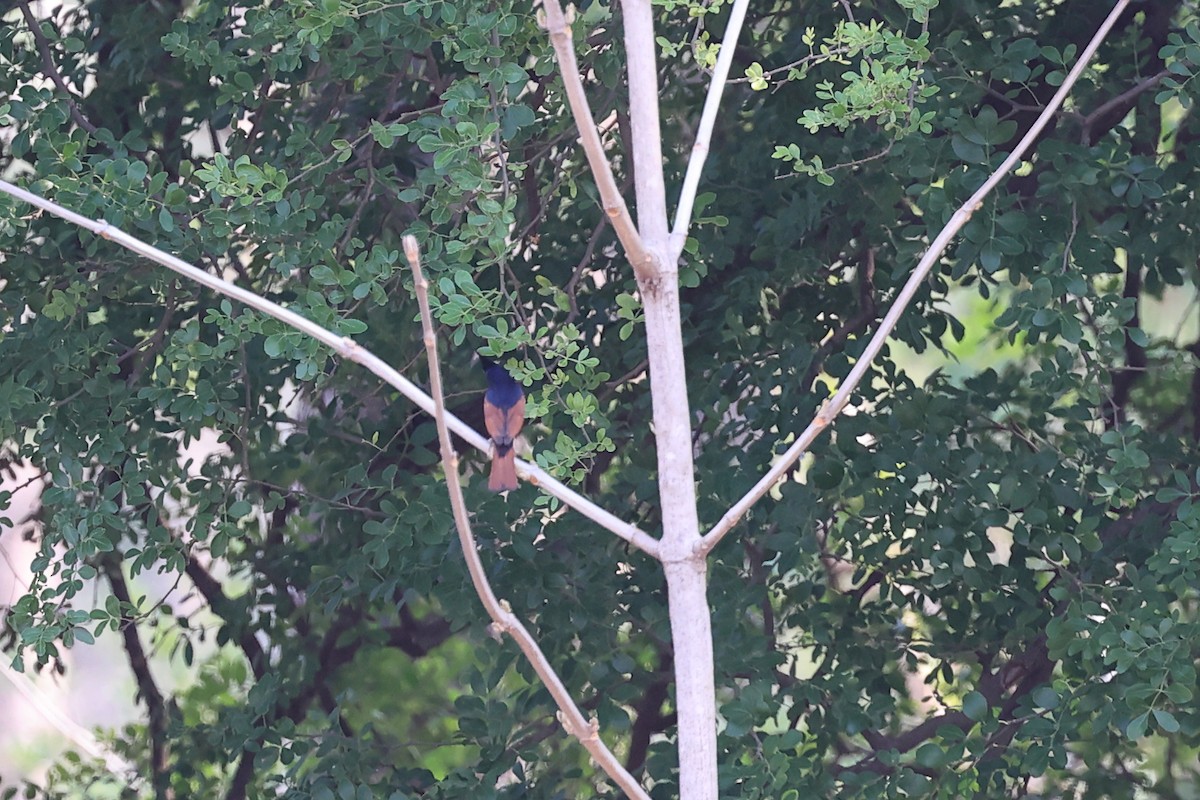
(981, 583)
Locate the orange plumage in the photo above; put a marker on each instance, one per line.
(504, 416)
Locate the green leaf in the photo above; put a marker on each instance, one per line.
(975, 706)
(1166, 721)
(1136, 728)
(1045, 697)
(967, 151)
(930, 755)
(826, 474)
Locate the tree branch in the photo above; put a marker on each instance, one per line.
(241, 777)
(1194, 400)
(708, 118)
(156, 706)
(328, 657)
(503, 619)
(684, 565)
(857, 323)
(417, 637)
(210, 589)
(1121, 103)
(348, 349)
(834, 406)
(51, 71)
(649, 718)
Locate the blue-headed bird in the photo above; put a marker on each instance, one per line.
(503, 415)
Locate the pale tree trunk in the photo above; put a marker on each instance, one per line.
(658, 282)
(685, 567)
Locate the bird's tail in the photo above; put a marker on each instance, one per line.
(504, 470)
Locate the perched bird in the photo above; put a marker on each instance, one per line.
(503, 414)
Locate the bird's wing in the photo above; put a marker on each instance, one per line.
(496, 421)
(516, 418)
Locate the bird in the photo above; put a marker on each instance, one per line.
(503, 415)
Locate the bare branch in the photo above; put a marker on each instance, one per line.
(642, 260)
(502, 617)
(349, 349)
(834, 405)
(708, 118)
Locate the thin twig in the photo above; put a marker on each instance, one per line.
(403, 117)
(834, 405)
(858, 162)
(825, 55)
(572, 286)
(503, 619)
(347, 348)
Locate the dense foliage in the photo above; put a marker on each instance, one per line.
(983, 581)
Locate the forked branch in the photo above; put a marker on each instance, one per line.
(593, 148)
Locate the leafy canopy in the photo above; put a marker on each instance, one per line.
(982, 582)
